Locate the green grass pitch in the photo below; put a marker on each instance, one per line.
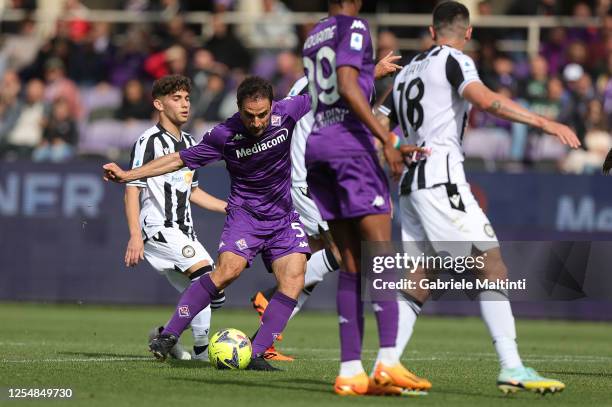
(100, 353)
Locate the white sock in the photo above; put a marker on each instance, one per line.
(497, 315)
(387, 356)
(200, 325)
(303, 297)
(408, 314)
(317, 267)
(351, 368)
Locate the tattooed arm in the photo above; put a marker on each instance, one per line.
(501, 106)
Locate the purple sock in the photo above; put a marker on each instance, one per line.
(350, 314)
(387, 316)
(195, 298)
(273, 322)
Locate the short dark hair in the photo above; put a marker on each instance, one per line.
(447, 13)
(169, 84)
(254, 87)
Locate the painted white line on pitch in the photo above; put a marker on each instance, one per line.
(131, 358)
(14, 344)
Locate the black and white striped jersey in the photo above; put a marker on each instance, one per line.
(426, 101)
(300, 135)
(164, 200)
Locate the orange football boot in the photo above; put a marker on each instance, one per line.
(352, 386)
(399, 376)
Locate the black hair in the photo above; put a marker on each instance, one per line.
(445, 14)
(254, 87)
(167, 85)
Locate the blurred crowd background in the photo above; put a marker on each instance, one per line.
(73, 86)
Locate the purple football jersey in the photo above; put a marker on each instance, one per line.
(259, 167)
(334, 42)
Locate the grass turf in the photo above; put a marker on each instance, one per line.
(100, 353)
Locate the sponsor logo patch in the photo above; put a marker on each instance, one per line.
(188, 251)
(356, 41)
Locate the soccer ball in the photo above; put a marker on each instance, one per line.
(229, 349)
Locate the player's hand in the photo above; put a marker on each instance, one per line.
(387, 66)
(562, 132)
(112, 172)
(394, 159)
(134, 252)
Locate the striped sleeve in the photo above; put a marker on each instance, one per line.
(460, 71)
(142, 152)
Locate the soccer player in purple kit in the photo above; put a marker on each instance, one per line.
(254, 143)
(350, 188)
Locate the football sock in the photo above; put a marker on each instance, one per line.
(200, 325)
(304, 296)
(408, 309)
(387, 356)
(194, 299)
(319, 264)
(350, 316)
(351, 368)
(386, 318)
(199, 349)
(497, 315)
(273, 322)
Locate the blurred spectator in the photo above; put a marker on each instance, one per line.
(534, 88)
(170, 61)
(226, 47)
(60, 87)
(270, 29)
(59, 136)
(576, 100)
(9, 102)
(92, 57)
(206, 107)
(134, 106)
(19, 50)
(77, 23)
(553, 49)
(129, 59)
(27, 131)
(288, 70)
(502, 75)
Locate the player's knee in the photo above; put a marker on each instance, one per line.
(225, 274)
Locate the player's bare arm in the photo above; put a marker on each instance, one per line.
(205, 200)
(159, 166)
(501, 106)
(387, 65)
(135, 248)
(349, 90)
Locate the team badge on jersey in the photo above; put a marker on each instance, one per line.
(276, 120)
(242, 244)
(356, 41)
(188, 177)
(188, 251)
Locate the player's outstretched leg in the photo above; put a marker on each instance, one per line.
(197, 297)
(497, 315)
